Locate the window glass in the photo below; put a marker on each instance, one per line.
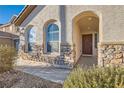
(31, 38)
(53, 38)
(52, 28)
(16, 44)
(32, 35)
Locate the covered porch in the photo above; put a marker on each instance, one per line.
(86, 38)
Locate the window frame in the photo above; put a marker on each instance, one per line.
(46, 31)
(96, 40)
(16, 44)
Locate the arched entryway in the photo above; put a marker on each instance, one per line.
(86, 37)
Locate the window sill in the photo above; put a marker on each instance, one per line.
(52, 54)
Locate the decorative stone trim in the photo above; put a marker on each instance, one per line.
(115, 43)
(35, 55)
(65, 59)
(68, 53)
(111, 54)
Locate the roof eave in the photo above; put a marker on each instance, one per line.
(24, 14)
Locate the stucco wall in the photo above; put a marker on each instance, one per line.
(10, 28)
(39, 17)
(77, 41)
(6, 41)
(7, 38)
(111, 21)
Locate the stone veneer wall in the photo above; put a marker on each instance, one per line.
(68, 54)
(35, 55)
(111, 53)
(66, 57)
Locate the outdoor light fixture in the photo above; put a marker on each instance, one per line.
(88, 27)
(90, 18)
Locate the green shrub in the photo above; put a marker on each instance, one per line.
(106, 77)
(7, 58)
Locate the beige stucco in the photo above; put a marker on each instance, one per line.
(77, 41)
(111, 20)
(8, 33)
(6, 42)
(9, 28)
(41, 18)
(109, 28)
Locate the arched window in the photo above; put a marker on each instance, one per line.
(52, 38)
(31, 38)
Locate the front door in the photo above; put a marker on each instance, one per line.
(87, 44)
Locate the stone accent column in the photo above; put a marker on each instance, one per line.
(21, 43)
(67, 53)
(111, 54)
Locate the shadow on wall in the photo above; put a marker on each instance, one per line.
(62, 15)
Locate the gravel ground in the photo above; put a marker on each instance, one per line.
(18, 79)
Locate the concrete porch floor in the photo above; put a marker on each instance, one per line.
(87, 61)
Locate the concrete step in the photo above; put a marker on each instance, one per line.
(62, 64)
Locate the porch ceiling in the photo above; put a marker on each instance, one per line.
(88, 23)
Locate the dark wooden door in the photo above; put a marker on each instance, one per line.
(87, 44)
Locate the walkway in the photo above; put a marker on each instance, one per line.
(87, 61)
(48, 72)
(44, 71)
